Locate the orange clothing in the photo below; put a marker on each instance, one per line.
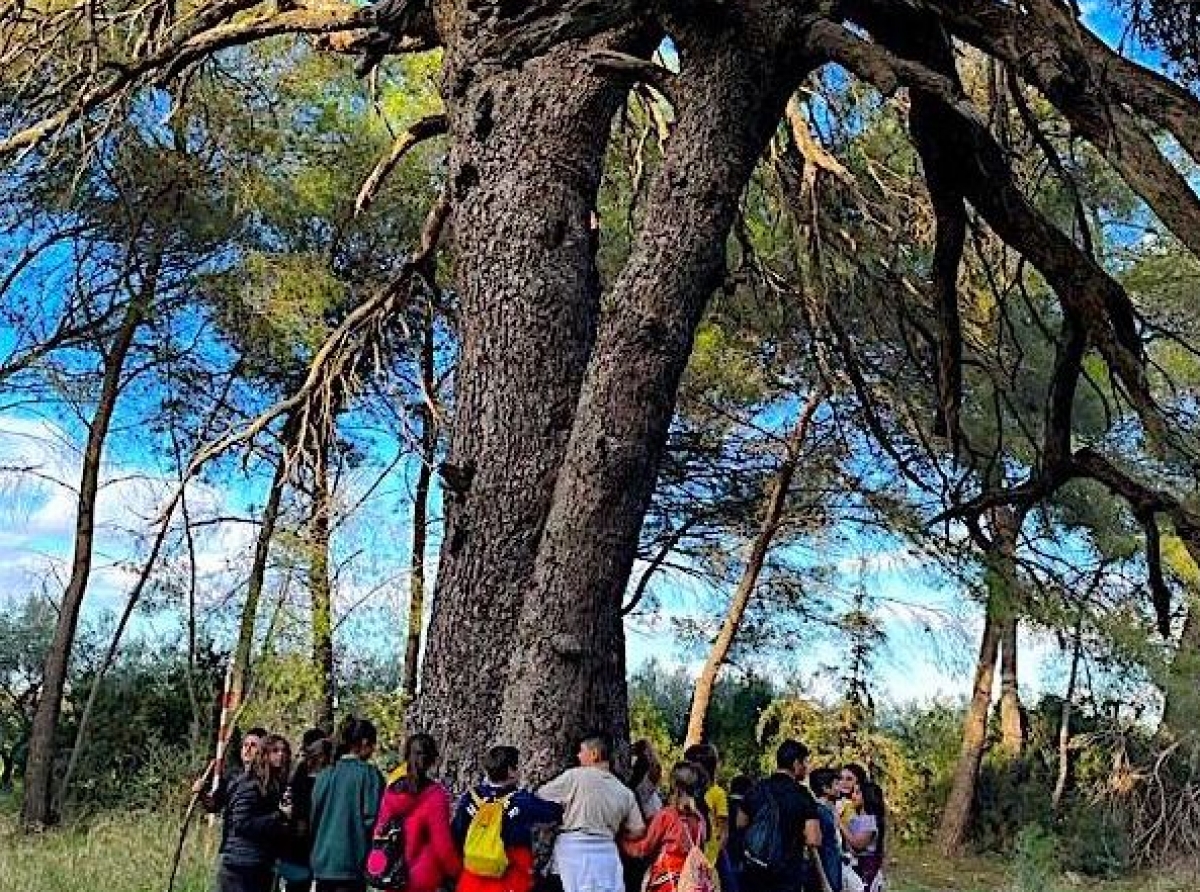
(517, 878)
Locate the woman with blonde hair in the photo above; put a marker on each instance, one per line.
(674, 831)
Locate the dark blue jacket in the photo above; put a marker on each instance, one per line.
(524, 812)
(253, 827)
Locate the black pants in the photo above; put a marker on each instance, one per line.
(341, 886)
(792, 878)
(296, 885)
(245, 879)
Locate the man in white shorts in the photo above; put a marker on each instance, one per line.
(597, 808)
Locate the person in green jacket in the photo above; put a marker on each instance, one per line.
(345, 803)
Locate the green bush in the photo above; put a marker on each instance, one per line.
(1035, 860)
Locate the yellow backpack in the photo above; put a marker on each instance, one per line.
(483, 851)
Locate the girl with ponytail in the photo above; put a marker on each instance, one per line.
(674, 831)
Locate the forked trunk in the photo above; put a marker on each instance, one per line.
(528, 144)
(568, 662)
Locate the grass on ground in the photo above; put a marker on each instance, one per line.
(132, 853)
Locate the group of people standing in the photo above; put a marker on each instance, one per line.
(332, 822)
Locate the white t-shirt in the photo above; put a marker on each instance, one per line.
(860, 824)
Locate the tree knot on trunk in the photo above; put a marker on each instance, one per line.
(568, 646)
(457, 478)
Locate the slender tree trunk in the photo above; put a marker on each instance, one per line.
(38, 807)
(528, 145)
(1181, 694)
(1012, 724)
(1064, 722)
(239, 675)
(321, 588)
(956, 817)
(420, 522)
(777, 494)
(568, 663)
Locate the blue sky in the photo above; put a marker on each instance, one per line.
(931, 623)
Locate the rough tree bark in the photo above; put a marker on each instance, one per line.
(528, 145)
(776, 500)
(568, 663)
(38, 807)
(320, 587)
(420, 521)
(956, 816)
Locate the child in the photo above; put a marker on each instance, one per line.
(424, 806)
(345, 800)
(522, 812)
(674, 831)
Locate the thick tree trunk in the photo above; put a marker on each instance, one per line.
(1001, 579)
(568, 663)
(38, 807)
(321, 589)
(524, 172)
(420, 521)
(777, 495)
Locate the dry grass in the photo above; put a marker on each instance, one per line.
(924, 870)
(115, 853)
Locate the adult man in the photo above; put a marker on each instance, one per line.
(597, 808)
(781, 820)
(214, 800)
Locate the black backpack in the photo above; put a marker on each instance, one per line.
(386, 867)
(764, 837)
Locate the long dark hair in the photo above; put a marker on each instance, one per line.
(687, 789)
(873, 804)
(416, 776)
(354, 734)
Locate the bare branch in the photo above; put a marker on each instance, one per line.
(419, 131)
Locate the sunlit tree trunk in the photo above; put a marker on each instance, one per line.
(1064, 721)
(1181, 694)
(1000, 580)
(777, 494)
(1012, 724)
(420, 521)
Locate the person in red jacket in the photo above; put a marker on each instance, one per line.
(523, 811)
(424, 806)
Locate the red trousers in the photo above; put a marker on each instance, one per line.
(518, 877)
